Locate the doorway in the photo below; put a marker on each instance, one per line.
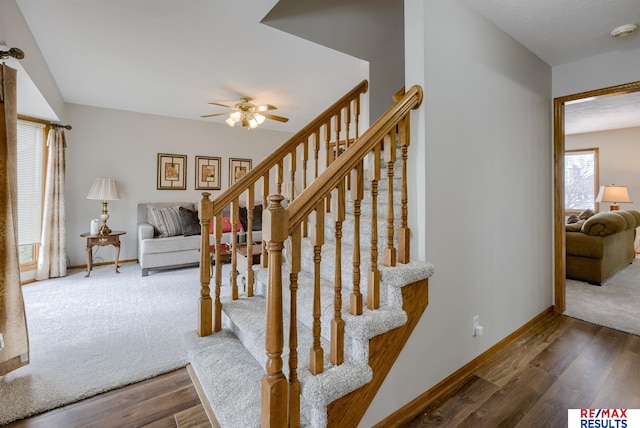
(558, 182)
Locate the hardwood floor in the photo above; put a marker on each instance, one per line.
(561, 364)
(156, 402)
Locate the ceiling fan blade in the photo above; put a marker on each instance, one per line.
(266, 107)
(274, 117)
(222, 105)
(215, 114)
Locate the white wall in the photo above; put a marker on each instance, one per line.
(124, 145)
(482, 152)
(600, 71)
(619, 151)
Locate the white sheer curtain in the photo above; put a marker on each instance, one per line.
(52, 260)
(15, 350)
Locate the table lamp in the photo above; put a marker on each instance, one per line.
(104, 189)
(613, 194)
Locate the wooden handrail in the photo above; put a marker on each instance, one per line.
(281, 152)
(302, 206)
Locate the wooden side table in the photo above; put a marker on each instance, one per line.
(92, 240)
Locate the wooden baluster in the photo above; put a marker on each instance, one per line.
(250, 274)
(404, 233)
(316, 359)
(294, 383)
(264, 258)
(373, 283)
(292, 176)
(305, 158)
(279, 177)
(217, 233)
(337, 323)
(357, 193)
(233, 275)
(390, 159)
(316, 152)
(347, 122)
(337, 124)
(356, 115)
(274, 383)
(205, 305)
(327, 140)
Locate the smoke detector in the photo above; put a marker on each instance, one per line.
(624, 30)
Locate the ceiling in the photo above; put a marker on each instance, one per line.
(171, 58)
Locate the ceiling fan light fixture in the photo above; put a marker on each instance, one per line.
(230, 122)
(624, 30)
(259, 118)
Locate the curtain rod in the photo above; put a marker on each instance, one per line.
(13, 52)
(58, 126)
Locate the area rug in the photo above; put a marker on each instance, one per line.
(90, 335)
(614, 304)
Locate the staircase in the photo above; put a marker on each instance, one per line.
(336, 280)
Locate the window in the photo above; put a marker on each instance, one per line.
(580, 179)
(30, 190)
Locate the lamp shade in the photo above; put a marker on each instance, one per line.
(104, 189)
(613, 193)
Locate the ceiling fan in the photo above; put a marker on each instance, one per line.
(247, 113)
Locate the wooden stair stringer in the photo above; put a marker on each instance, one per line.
(384, 349)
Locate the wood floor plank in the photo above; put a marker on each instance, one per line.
(508, 405)
(518, 355)
(621, 389)
(456, 405)
(195, 417)
(153, 401)
(580, 382)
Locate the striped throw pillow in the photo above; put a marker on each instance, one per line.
(168, 221)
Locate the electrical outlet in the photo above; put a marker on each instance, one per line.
(478, 330)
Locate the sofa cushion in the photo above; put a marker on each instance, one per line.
(189, 221)
(167, 221)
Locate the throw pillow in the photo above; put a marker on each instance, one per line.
(168, 221)
(572, 219)
(226, 225)
(189, 221)
(586, 214)
(257, 218)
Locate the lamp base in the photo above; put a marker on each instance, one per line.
(614, 207)
(104, 230)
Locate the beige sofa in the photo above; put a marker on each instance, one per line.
(179, 248)
(600, 245)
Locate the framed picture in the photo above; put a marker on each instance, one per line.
(172, 170)
(238, 168)
(208, 173)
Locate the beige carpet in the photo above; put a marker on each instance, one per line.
(614, 304)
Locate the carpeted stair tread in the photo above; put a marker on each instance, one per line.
(348, 230)
(246, 316)
(229, 375)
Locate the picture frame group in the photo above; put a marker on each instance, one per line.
(172, 171)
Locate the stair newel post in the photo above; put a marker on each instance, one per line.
(404, 233)
(274, 383)
(233, 276)
(205, 305)
(217, 318)
(264, 258)
(337, 323)
(357, 193)
(250, 203)
(316, 360)
(294, 382)
(390, 159)
(373, 282)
